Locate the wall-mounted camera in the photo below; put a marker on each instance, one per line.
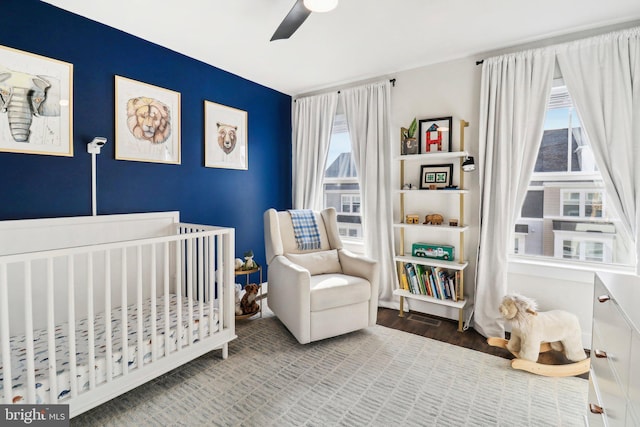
(96, 144)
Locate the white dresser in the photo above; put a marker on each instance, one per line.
(614, 393)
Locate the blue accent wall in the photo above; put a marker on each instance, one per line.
(36, 186)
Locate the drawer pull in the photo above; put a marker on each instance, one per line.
(600, 354)
(604, 298)
(595, 409)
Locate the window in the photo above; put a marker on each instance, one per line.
(350, 203)
(566, 203)
(582, 203)
(341, 188)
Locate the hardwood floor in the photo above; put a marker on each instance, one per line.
(446, 330)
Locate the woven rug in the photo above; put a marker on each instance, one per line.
(375, 377)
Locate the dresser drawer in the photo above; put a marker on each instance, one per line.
(614, 334)
(610, 392)
(594, 419)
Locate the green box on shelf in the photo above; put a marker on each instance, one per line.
(426, 250)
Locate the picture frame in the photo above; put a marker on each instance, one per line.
(147, 122)
(43, 87)
(225, 137)
(436, 176)
(435, 134)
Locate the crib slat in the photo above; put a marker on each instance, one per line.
(200, 288)
(211, 280)
(154, 326)
(90, 323)
(71, 318)
(51, 332)
(140, 313)
(190, 244)
(167, 324)
(4, 333)
(107, 316)
(123, 308)
(28, 325)
(179, 272)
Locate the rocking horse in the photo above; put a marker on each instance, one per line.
(536, 332)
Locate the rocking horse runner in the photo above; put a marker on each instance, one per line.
(534, 332)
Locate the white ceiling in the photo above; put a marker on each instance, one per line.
(360, 39)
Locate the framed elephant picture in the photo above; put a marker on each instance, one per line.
(225, 137)
(36, 96)
(147, 122)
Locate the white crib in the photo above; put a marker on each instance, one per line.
(145, 293)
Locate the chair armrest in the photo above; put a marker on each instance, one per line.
(367, 268)
(289, 296)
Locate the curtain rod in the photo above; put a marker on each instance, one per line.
(392, 81)
(479, 62)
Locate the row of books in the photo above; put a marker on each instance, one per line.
(435, 282)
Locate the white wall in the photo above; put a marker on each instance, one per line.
(441, 90)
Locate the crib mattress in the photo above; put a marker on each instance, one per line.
(18, 348)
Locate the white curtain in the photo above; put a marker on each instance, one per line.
(312, 123)
(602, 75)
(367, 109)
(513, 96)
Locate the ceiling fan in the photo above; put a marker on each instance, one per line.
(299, 13)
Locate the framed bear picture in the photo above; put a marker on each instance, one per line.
(225, 137)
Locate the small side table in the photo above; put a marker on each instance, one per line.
(247, 274)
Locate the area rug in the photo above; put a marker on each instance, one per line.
(374, 377)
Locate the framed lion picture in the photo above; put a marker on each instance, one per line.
(225, 137)
(147, 122)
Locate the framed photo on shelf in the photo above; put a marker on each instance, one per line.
(435, 134)
(147, 122)
(37, 99)
(225, 137)
(433, 177)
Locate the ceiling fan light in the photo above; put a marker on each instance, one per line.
(320, 5)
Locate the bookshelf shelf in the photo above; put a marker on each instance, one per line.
(432, 192)
(456, 229)
(425, 298)
(449, 274)
(451, 265)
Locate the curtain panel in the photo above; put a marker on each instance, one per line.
(367, 109)
(312, 124)
(602, 75)
(514, 92)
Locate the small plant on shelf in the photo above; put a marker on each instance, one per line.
(410, 132)
(409, 141)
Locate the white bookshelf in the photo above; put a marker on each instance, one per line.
(407, 232)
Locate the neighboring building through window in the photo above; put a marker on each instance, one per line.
(341, 188)
(565, 212)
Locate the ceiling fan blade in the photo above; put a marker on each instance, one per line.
(296, 16)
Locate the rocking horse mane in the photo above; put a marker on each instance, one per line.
(524, 309)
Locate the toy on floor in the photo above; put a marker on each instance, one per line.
(534, 332)
(248, 303)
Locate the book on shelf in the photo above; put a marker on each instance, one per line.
(436, 282)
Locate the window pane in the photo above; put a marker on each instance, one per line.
(571, 249)
(566, 206)
(594, 251)
(341, 187)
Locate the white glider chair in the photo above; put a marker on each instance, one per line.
(318, 293)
